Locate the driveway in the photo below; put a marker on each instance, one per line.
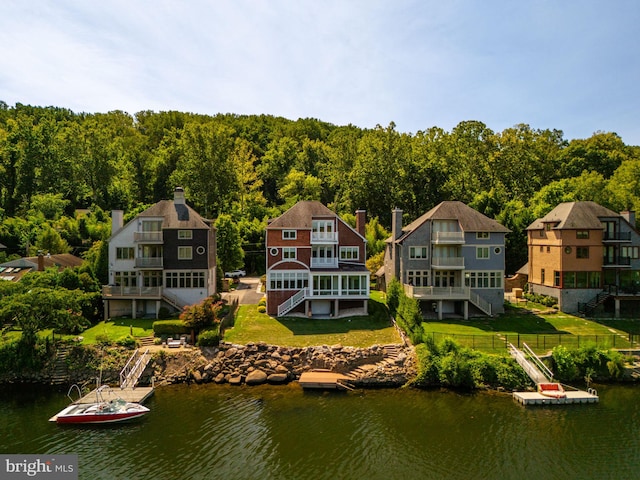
(246, 291)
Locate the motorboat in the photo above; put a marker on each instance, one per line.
(101, 411)
(553, 390)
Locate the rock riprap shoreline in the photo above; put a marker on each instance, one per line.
(259, 363)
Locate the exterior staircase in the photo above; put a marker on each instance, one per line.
(147, 341)
(391, 355)
(587, 309)
(480, 302)
(292, 302)
(60, 371)
(173, 301)
(134, 368)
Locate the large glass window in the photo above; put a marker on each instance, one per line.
(288, 280)
(126, 279)
(289, 252)
(482, 252)
(582, 252)
(124, 253)
(349, 253)
(418, 252)
(185, 279)
(185, 253)
(489, 279)
(418, 278)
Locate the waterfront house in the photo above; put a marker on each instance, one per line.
(14, 270)
(316, 263)
(164, 257)
(586, 256)
(451, 259)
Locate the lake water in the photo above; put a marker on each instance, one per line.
(211, 432)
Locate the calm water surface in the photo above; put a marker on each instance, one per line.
(202, 432)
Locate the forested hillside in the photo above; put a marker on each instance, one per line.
(54, 161)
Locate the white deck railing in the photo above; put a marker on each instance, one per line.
(292, 302)
(447, 237)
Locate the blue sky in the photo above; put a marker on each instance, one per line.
(571, 65)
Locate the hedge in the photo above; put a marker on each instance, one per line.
(170, 327)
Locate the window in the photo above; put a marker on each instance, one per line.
(126, 279)
(288, 280)
(582, 234)
(582, 252)
(482, 235)
(418, 252)
(152, 279)
(349, 253)
(354, 285)
(542, 276)
(548, 227)
(151, 225)
(289, 234)
(556, 278)
(185, 253)
(418, 278)
(289, 252)
(185, 234)
(629, 252)
(482, 252)
(124, 253)
(483, 279)
(541, 249)
(185, 279)
(548, 249)
(581, 280)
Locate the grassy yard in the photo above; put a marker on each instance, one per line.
(252, 326)
(118, 329)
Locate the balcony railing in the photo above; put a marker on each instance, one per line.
(324, 237)
(147, 237)
(448, 237)
(616, 236)
(447, 262)
(617, 261)
(438, 293)
(131, 292)
(324, 262)
(149, 262)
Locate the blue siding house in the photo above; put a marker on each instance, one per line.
(451, 259)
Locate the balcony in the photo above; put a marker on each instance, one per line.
(450, 238)
(438, 293)
(318, 237)
(324, 262)
(149, 262)
(616, 262)
(119, 291)
(147, 237)
(447, 263)
(616, 236)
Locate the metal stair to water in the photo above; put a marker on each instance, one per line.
(60, 372)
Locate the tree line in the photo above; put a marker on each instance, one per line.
(55, 163)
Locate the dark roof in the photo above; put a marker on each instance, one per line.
(17, 268)
(301, 215)
(470, 220)
(2, 247)
(176, 215)
(573, 215)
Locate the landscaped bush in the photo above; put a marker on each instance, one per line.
(128, 342)
(262, 309)
(169, 328)
(586, 362)
(545, 300)
(209, 338)
(450, 365)
(262, 302)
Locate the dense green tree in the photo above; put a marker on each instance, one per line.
(230, 254)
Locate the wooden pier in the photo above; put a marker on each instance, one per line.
(324, 379)
(129, 394)
(571, 396)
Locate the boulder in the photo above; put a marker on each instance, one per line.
(278, 378)
(235, 380)
(220, 378)
(256, 377)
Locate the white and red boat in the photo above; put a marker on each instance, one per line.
(101, 411)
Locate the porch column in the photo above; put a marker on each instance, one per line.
(306, 308)
(158, 303)
(466, 309)
(106, 309)
(439, 309)
(617, 314)
(366, 307)
(336, 308)
(134, 307)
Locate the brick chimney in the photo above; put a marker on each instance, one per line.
(178, 196)
(361, 220)
(396, 223)
(629, 216)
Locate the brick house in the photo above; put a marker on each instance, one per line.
(316, 263)
(585, 256)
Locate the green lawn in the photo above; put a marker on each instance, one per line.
(119, 328)
(252, 326)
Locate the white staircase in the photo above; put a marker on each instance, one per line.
(134, 368)
(292, 302)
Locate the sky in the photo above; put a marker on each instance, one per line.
(570, 65)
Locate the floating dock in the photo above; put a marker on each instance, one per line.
(134, 395)
(535, 398)
(324, 379)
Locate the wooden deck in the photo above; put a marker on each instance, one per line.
(136, 395)
(324, 379)
(575, 396)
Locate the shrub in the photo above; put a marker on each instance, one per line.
(394, 291)
(127, 342)
(208, 338)
(262, 309)
(169, 327)
(262, 302)
(164, 313)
